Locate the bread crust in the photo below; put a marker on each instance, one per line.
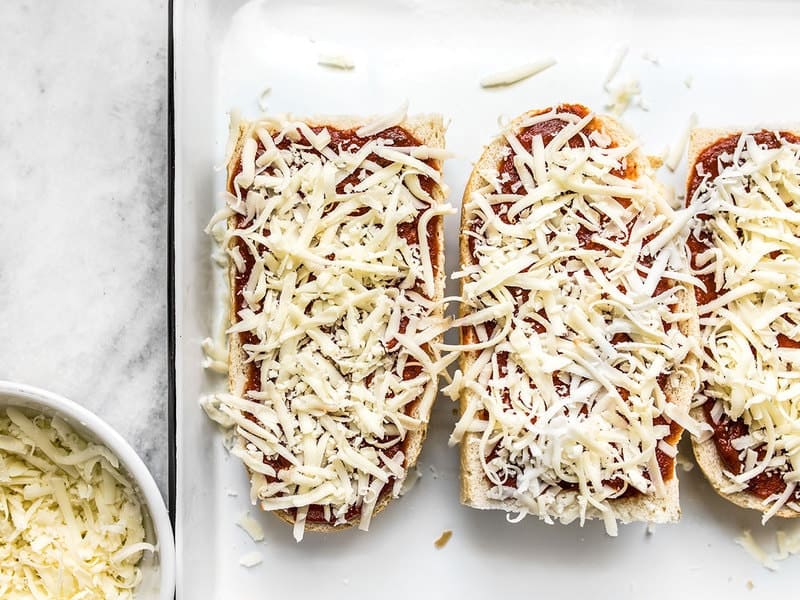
(429, 130)
(705, 451)
(679, 390)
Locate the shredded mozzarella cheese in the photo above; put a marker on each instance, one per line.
(619, 57)
(753, 548)
(71, 523)
(336, 61)
(622, 95)
(251, 527)
(251, 559)
(516, 74)
(678, 149)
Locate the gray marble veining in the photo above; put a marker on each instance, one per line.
(83, 205)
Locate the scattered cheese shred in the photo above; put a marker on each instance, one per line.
(678, 149)
(262, 98)
(71, 523)
(787, 545)
(412, 477)
(564, 395)
(251, 527)
(752, 547)
(516, 74)
(619, 57)
(336, 61)
(622, 95)
(750, 216)
(216, 355)
(339, 314)
(652, 59)
(684, 463)
(251, 559)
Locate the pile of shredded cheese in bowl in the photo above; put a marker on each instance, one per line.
(71, 525)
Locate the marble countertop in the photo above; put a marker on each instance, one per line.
(83, 206)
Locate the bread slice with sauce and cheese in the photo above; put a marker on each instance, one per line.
(335, 244)
(577, 326)
(744, 190)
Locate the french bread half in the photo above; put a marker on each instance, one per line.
(336, 271)
(745, 246)
(578, 364)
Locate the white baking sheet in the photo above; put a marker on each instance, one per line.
(732, 63)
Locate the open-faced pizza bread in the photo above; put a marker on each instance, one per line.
(745, 246)
(335, 246)
(578, 326)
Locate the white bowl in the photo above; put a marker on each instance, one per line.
(158, 569)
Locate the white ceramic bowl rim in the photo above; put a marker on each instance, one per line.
(127, 456)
